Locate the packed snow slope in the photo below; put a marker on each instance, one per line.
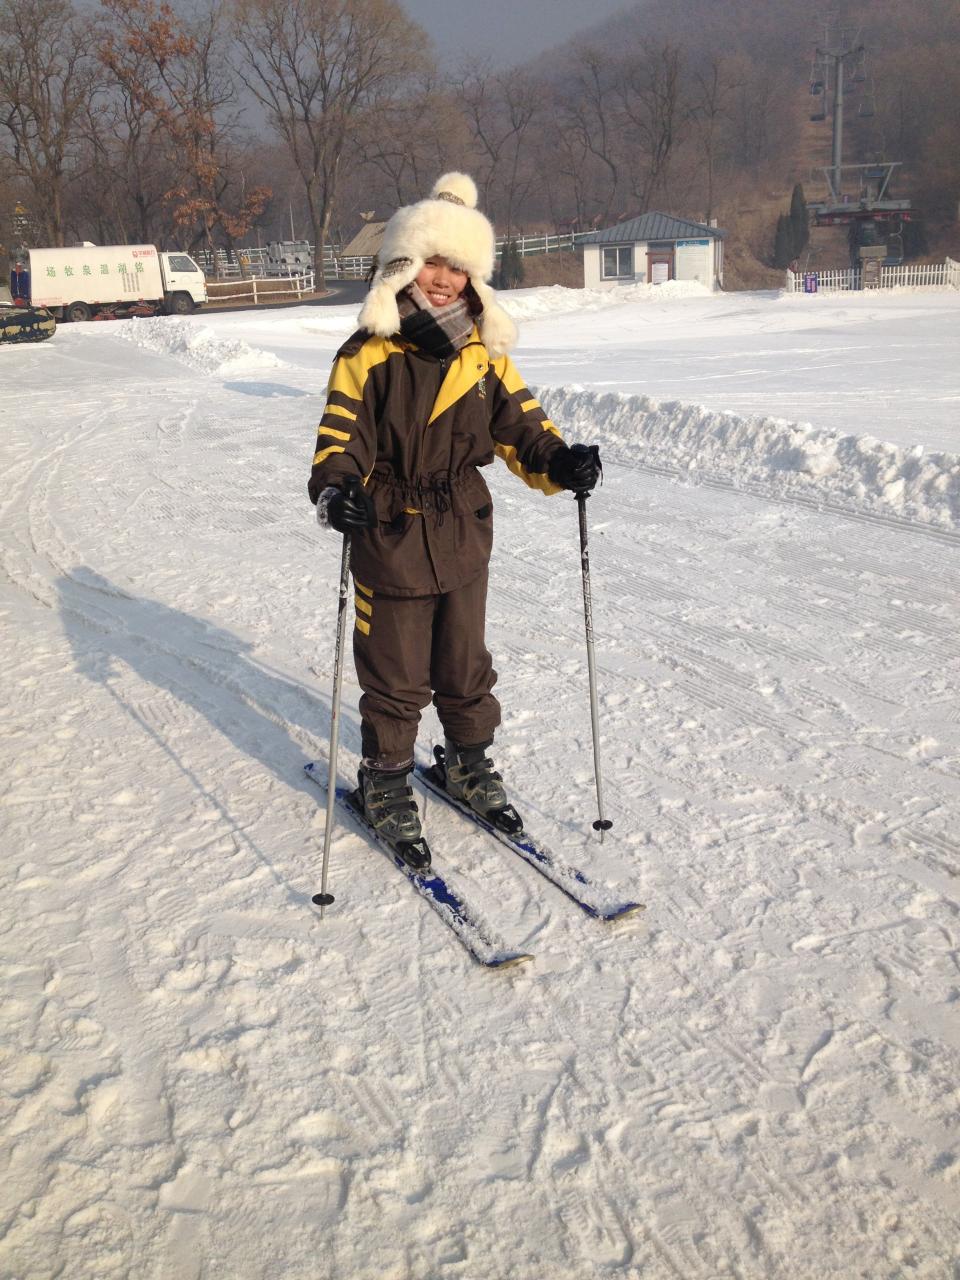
(756, 1078)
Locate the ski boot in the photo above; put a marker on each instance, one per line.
(469, 776)
(386, 801)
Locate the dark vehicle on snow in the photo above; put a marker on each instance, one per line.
(19, 323)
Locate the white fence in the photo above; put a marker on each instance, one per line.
(932, 275)
(247, 264)
(544, 243)
(252, 263)
(257, 289)
(341, 268)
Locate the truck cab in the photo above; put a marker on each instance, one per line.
(184, 285)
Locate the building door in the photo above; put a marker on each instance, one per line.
(660, 265)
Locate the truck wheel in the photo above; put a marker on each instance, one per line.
(78, 311)
(180, 304)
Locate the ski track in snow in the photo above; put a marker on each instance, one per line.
(757, 1078)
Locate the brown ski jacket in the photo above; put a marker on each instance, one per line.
(415, 429)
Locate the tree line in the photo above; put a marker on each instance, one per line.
(134, 122)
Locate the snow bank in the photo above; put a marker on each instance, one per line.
(195, 344)
(784, 457)
(531, 304)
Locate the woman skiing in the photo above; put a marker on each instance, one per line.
(420, 398)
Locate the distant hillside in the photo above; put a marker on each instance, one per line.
(740, 134)
(698, 108)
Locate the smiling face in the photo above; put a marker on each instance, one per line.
(441, 282)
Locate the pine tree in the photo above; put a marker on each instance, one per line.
(500, 274)
(915, 243)
(516, 266)
(853, 243)
(783, 250)
(799, 221)
(509, 274)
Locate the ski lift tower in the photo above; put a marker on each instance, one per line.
(839, 67)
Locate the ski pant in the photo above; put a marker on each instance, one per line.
(405, 647)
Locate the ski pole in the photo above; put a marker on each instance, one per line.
(602, 824)
(324, 899)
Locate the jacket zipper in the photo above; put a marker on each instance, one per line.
(444, 365)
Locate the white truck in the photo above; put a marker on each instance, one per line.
(114, 280)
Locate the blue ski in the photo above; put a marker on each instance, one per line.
(595, 899)
(465, 921)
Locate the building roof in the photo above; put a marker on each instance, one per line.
(652, 226)
(366, 242)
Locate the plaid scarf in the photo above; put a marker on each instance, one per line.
(440, 331)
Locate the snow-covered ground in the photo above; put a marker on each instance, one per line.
(756, 1078)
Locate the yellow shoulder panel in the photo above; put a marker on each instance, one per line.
(349, 373)
(509, 374)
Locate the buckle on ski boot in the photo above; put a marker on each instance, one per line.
(388, 824)
(387, 803)
(474, 778)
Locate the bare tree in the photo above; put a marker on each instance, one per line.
(48, 80)
(754, 114)
(174, 76)
(522, 98)
(131, 144)
(317, 67)
(917, 98)
(412, 139)
(712, 88)
(589, 127)
(500, 110)
(649, 96)
(562, 159)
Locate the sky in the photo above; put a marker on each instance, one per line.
(509, 32)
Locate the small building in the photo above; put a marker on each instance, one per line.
(366, 243)
(650, 250)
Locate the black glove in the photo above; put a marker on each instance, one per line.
(576, 467)
(350, 509)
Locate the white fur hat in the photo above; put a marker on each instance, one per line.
(447, 224)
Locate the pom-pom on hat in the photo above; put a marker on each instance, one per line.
(449, 225)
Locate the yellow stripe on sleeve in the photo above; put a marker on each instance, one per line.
(341, 412)
(535, 479)
(363, 626)
(324, 454)
(332, 431)
(360, 587)
(363, 606)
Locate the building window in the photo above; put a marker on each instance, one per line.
(617, 263)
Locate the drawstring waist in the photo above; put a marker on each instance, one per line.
(430, 495)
